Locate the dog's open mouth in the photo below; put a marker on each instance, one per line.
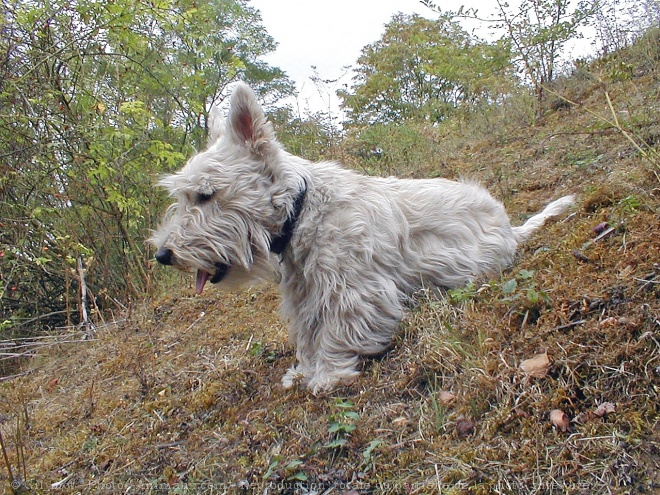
(203, 276)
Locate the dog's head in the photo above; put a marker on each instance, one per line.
(233, 202)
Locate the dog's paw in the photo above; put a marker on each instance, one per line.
(325, 382)
(292, 377)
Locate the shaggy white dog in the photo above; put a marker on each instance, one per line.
(348, 249)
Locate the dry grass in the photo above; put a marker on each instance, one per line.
(184, 396)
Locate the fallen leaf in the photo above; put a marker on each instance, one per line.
(464, 427)
(604, 234)
(521, 413)
(559, 419)
(105, 465)
(613, 321)
(52, 384)
(608, 322)
(626, 272)
(536, 366)
(400, 421)
(605, 408)
(600, 228)
(446, 397)
(580, 256)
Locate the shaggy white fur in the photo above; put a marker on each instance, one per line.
(348, 249)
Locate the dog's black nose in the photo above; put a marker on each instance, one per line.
(164, 256)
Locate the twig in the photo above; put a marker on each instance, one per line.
(62, 482)
(601, 132)
(6, 458)
(625, 133)
(91, 405)
(201, 315)
(39, 317)
(169, 445)
(9, 355)
(36, 337)
(569, 325)
(80, 267)
(649, 153)
(601, 236)
(17, 375)
(25, 349)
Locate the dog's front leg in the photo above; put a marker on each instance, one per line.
(330, 350)
(305, 355)
(337, 313)
(335, 364)
(322, 361)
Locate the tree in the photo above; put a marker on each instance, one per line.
(423, 70)
(537, 33)
(96, 99)
(311, 136)
(619, 23)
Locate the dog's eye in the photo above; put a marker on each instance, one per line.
(205, 198)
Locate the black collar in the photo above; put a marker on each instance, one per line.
(280, 242)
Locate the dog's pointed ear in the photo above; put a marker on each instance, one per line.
(216, 125)
(246, 120)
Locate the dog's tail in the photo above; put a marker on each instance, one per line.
(555, 208)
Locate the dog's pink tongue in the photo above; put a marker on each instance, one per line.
(202, 277)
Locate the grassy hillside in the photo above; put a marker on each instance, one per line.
(182, 395)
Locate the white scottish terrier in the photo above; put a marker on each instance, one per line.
(348, 250)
